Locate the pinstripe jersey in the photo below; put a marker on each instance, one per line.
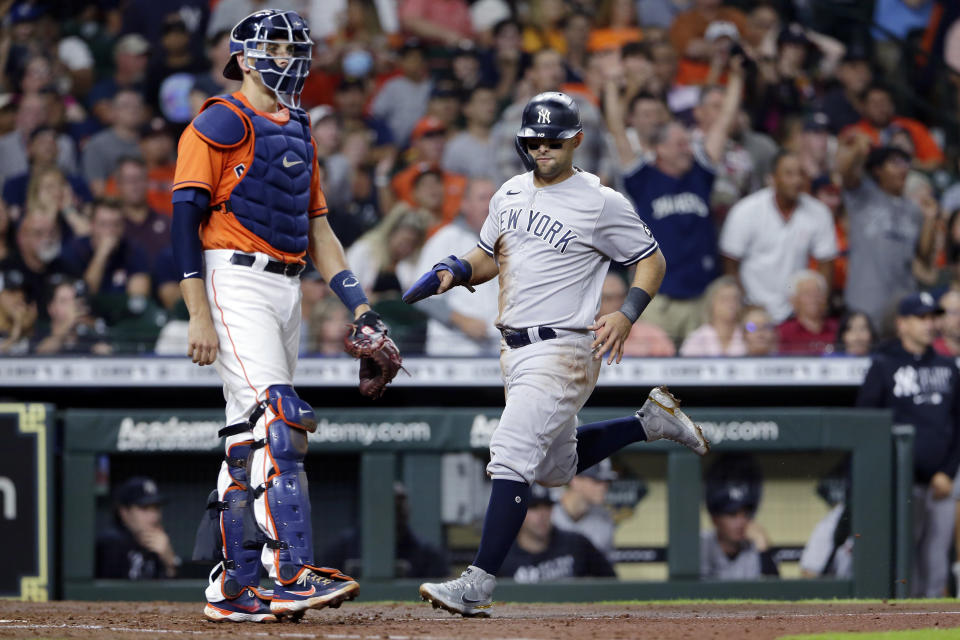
(553, 246)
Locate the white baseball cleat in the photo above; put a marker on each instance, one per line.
(661, 418)
(470, 595)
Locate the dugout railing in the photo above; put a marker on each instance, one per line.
(378, 444)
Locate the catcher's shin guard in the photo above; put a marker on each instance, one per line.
(285, 490)
(241, 551)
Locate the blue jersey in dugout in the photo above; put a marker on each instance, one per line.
(677, 211)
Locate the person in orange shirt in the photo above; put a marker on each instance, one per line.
(880, 122)
(248, 208)
(428, 141)
(616, 25)
(688, 28)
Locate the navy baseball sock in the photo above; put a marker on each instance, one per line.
(505, 513)
(599, 440)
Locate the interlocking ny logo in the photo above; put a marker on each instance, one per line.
(543, 116)
(906, 382)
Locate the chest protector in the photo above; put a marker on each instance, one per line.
(273, 194)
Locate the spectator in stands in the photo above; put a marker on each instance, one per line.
(721, 334)
(49, 193)
(402, 100)
(144, 227)
(761, 148)
(465, 68)
(646, 115)
(735, 166)
(6, 232)
(923, 389)
(41, 153)
(104, 150)
(428, 143)
(313, 290)
(444, 103)
(808, 331)
(813, 146)
(582, 507)
(771, 234)
(843, 103)
(576, 32)
(661, 13)
(17, 314)
(158, 147)
(386, 256)
(32, 112)
(614, 26)
(107, 260)
(38, 254)
(211, 81)
(329, 323)
(671, 194)
(737, 548)
(440, 22)
(547, 74)
(505, 64)
(136, 546)
(130, 58)
(71, 329)
(759, 332)
(645, 339)
(855, 335)
(543, 552)
(544, 26)
(688, 31)
(828, 193)
(227, 13)
(880, 121)
(462, 323)
(886, 230)
(414, 558)
(174, 66)
(948, 342)
(350, 99)
(471, 153)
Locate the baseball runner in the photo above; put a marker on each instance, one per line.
(248, 207)
(550, 235)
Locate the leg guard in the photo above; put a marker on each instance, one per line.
(285, 489)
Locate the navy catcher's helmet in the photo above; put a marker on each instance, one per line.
(252, 37)
(550, 115)
(734, 482)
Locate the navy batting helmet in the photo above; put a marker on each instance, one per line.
(551, 116)
(253, 36)
(734, 482)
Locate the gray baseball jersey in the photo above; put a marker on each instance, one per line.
(551, 244)
(716, 564)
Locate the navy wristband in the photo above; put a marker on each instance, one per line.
(637, 300)
(348, 289)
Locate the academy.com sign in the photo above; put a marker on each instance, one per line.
(717, 432)
(176, 434)
(367, 433)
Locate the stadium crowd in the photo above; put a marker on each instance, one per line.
(797, 161)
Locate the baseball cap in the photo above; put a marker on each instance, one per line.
(427, 125)
(413, 44)
(721, 29)
(602, 471)
(823, 182)
(25, 12)
(155, 127)
(140, 491)
(321, 112)
(539, 495)
(133, 44)
(918, 304)
(879, 155)
(817, 121)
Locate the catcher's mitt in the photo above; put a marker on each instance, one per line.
(380, 359)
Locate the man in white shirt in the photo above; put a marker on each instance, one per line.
(771, 234)
(461, 323)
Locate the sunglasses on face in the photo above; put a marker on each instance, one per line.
(533, 145)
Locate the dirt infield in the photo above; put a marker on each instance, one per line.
(404, 621)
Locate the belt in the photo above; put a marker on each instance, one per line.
(516, 338)
(280, 267)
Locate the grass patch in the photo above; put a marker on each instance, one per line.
(910, 634)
